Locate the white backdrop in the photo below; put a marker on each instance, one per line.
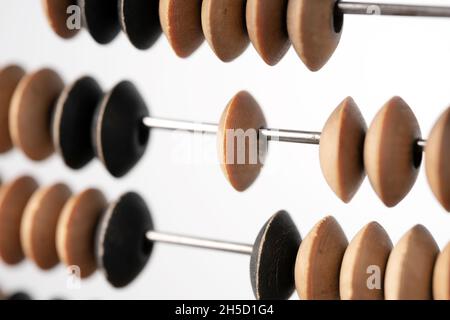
(378, 57)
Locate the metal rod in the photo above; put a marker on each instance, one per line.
(199, 242)
(386, 9)
(422, 143)
(305, 137)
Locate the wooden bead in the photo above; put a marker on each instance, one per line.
(319, 261)
(266, 24)
(224, 27)
(409, 271)
(75, 233)
(441, 275)
(14, 197)
(369, 248)
(31, 111)
(9, 79)
(437, 159)
(241, 153)
(38, 229)
(56, 12)
(315, 29)
(391, 156)
(182, 24)
(342, 148)
(272, 263)
(101, 18)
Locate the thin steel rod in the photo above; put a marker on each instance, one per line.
(304, 137)
(199, 242)
(386, 9)
(422, 143)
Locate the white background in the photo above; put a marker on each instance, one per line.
(378, 57)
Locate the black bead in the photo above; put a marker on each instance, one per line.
(101, 19)
(19, 296)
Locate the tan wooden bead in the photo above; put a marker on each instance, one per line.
(437, 159)
(14, 197)
(409, 271)
(9, 79)
(342, 150)
(266, 25)
(38, 229)
(369, 249)
(315, 30)
(182, 24)
(441, 275)
(391, 156)
(30, 115)
(56, 12)
(241, 153)
(319, 261)
(224, 27)
(75, 234)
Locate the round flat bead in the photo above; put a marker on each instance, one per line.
(241, 153)
(31, 112)
(319, 261)
(409, 271)
(272, 263)
(181, 22)
(121, 246)
(342, 150)
(437, 159)
(224, 27)
(391, 155)
(56, 12)
(14, 197)
(315, 29)
(38, 228)
(369, 248)
(119, 134)
(140, 21)
(9, 79)
(72, 122)
(75, 233)
(101, 18)
(441, 276)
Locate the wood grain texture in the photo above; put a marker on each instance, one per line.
(319, 261)
(341, 150)
(391, 156)
(409, 271)
(14, 197)
(56, 13)
(441, 275)
(240, 152)
(314, 30)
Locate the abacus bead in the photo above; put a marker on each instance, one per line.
(266, 25)
(314, 29)
(441, 275)
(101, 19)
(224, 26)
(342, 148)
(369, 248)
(56, 12)
(319, 261)
(241, 162)
(391, 156)
(437, 159)
(409, 271)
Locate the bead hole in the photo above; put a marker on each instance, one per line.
(338, 18)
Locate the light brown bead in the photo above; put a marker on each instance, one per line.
(224, 26)
(409, 271)
(38, 229)
(315, 30)
(9, 79)
(364, 264)
(441, 275)
(31, 111)
(75, 234)
(182, 24)
(319, 261)
(241, 152)
(342, 150)
(57, 16)
(391, 155)
(437, 159)
(266, 25)
(14, 197)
